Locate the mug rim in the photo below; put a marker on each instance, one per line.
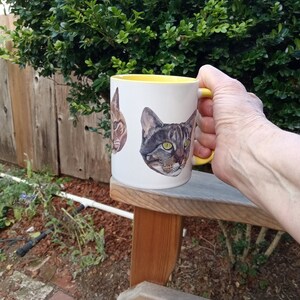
(155, 78)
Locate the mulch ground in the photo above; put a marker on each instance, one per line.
(203, 268)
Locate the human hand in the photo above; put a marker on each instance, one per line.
(228, 122)
(250, 151)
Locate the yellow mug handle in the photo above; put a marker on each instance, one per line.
(197, 161)
(204, 93)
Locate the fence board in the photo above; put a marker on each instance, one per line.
(87, 156)
(20, 104)
(7, 138)
(97, 160)
(71, 160)
(21, 110)
(44, 125)
(7, 135)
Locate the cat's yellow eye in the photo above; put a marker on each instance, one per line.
(187, 143)
(167, 146)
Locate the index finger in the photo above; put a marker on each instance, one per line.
(205, 107)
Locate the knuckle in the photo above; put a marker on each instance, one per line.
(237, 85)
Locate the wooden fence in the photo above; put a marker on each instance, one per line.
(34, 124)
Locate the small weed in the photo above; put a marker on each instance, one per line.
(248, 251)
(263, 284)
(84, 261)
(10, 192)
(195, 242)
(206, 295)
(18, 199)
(3, 256)
(246, 270)
(78, 236)
(260, 259)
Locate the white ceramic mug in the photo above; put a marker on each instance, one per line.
(153, 120)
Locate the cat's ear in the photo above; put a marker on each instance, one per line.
(149, 120)
(115, 99)
(191, 119)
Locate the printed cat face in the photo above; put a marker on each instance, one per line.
(118, 125)
(165, 148)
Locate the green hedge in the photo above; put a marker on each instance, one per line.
(257, 42)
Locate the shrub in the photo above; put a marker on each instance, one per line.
(255, 41)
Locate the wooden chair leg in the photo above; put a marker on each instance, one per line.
(156, 246)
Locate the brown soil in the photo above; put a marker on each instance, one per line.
(203, 268)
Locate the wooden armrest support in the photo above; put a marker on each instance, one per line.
(203, 196)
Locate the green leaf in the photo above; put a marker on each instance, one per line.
(8, 222)
(122, 37)
(297, 43)
(17, 213)
(34, 235)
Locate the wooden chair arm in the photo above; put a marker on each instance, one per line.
(203, 196)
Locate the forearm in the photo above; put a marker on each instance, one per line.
(267, 172)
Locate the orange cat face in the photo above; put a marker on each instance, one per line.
(118, 125)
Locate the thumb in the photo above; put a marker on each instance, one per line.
(212, 78)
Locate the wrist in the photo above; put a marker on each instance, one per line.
(250, 161)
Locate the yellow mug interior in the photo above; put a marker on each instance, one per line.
(155, 78)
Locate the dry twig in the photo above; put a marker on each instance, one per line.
(274, 243)
(227, 241)
(261, 235)
(248, 241)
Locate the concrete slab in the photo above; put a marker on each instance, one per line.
(150, 291)
(21, 287)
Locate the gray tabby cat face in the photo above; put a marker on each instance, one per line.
(118, 124)
(165, 148)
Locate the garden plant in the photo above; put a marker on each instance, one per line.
(34, 196)
(257, 42)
